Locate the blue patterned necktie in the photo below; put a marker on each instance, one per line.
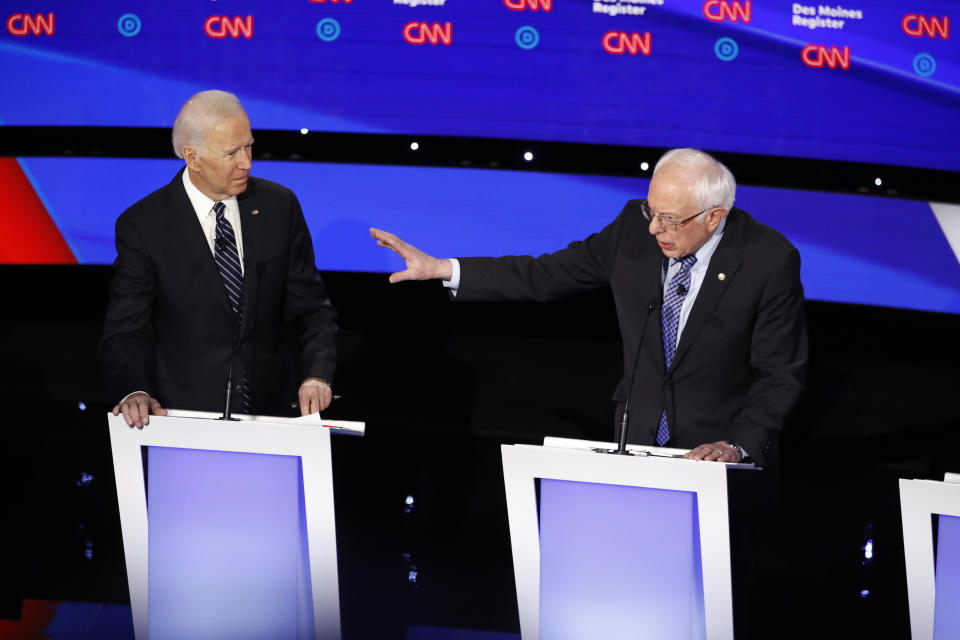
(228, 263)
(673, 299)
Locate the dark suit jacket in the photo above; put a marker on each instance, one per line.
(741, 361)
(169, 328)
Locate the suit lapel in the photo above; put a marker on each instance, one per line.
(726, 261)
(194, 243)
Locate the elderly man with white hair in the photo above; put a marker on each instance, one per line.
(210, 272)
(709, 302)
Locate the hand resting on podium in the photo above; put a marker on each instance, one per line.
(720, 451)
(315, 395)
(137, 408)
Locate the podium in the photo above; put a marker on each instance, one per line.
(228, 526)
(609, 546)
(931, 547)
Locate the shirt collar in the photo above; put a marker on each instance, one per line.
(202, 205)
(705, 252)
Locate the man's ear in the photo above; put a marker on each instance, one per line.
(190, 156)
(714, 216)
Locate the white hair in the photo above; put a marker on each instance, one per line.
(711, 182)
(202, 112)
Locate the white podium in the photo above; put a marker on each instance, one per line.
(933, 571)
(613, 547)
(228, 527)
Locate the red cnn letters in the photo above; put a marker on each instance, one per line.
(720, 10)
(21, 24)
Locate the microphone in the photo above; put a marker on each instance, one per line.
(228, 394)
(625, 416)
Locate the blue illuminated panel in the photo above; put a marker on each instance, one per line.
(619, 562)
(946, 618)
(225, 547)
(854, 249)
(860, 80)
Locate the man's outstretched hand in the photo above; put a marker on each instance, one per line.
(420, 266)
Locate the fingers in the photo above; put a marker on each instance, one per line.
(326, 397)
(401, 276)
(388, 240)
(137, 408)
(714, 452)
(314, 398)
(420, 266)
(156, 409)
(698, 453)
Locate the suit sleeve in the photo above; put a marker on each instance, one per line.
(583, 265)
(778, 357)
(128, 332)
(307, 307)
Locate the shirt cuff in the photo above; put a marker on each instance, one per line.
(454, 282)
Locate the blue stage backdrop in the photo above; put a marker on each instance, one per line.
(856, 249)
(863, 80)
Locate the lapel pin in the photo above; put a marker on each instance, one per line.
(255, 212)
(721, 277)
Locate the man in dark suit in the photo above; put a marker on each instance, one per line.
(709, 302)
(211, 272)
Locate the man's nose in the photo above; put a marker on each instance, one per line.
(655, 227)
(246, 159)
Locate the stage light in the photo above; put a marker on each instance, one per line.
(644, 166)
(304, 131)
(82, 406)
(414, 145)
(868, 550)
(878, 182)
(528, 156)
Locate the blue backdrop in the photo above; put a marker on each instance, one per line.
(859, 249)
(867, 80)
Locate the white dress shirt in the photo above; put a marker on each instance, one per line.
(697, 273)
(203, 207)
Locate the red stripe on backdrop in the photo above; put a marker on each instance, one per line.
(27, 233)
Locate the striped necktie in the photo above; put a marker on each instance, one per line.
(228, 263)
(673, 299)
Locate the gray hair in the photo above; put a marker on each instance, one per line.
(712, 183)
(202, 112)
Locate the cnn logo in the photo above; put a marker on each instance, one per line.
(720, 10)
(532, 5)
(220, 27)
(917, 25)
(818, 56)
(423, 32)
(621, 42)
(21, 24)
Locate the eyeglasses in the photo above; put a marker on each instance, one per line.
(668, 222)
